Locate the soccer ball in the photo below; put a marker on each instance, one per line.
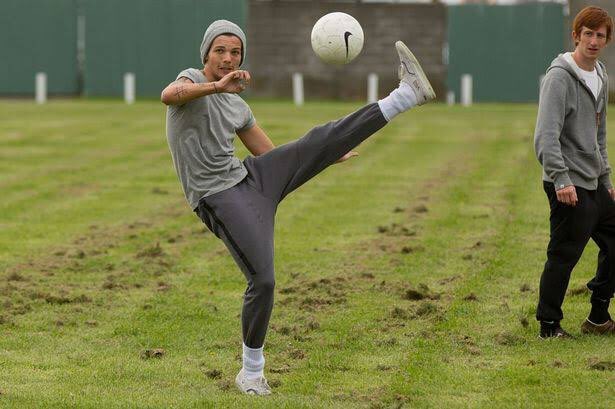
(337, 38)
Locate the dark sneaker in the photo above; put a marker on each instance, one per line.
(608, 328)
(554, 332)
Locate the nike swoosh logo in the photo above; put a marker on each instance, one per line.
(346, 35)
(407, 69)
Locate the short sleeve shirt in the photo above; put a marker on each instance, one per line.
(200, 134)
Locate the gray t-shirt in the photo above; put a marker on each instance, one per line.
(200, 135)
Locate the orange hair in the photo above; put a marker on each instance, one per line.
(593, 18)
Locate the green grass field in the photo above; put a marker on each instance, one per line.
(406, 277)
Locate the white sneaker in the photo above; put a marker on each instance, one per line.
(257, 386)
(411, 73)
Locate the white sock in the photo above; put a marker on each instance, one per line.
(399, 100)
(253, 362)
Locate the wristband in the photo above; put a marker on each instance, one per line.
(215, 89)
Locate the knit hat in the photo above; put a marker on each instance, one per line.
(220, 27)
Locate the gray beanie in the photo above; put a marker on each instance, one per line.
(217, 28)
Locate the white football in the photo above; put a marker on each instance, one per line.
(337, 38)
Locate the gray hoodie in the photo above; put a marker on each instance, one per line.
(570, 137)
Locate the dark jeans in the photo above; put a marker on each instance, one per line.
(571, 228)
(243, 215)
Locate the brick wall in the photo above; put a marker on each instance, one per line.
(279, 45)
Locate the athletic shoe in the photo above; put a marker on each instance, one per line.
(553, 332)
(411, 73)
(257, 386)
(608, 328)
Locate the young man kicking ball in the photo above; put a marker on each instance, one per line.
(238, 200)
(570, 143)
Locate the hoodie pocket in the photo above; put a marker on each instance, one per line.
(588, 165)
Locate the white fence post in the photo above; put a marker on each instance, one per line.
(372, 88)
(129, 88)
(298, 88)
(40, 82)
(466, 90)
(450, 98)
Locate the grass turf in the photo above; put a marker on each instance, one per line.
(406, 277)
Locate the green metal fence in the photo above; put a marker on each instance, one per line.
(154, 39)
(505, 48)
(38, 36)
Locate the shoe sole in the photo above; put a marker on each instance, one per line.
(400, 46)
(251, 392)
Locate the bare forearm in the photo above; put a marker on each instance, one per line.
(182, 92)
(260, 146)
(256, 140)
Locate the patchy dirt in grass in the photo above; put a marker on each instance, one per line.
(426, 308)
(421, 292)
(280, 369)
(509, 339)
(471, 297)
(399, 313)
(15, 277)
(396, 230)
(478, 244)
(411, 249)
(387, 342)
(558, 364)
(152, 252)
(450, 279)
(163, 286)
(86, 254)
(153, 353)
(375, 398)
(213, 374)
(296, 354)
(525, 288)
(316, 294)
(468, 345)
(225, 384)
(275, 383)
(420, 209)
(159, 191)
(59, 299)
(581, 290)
(600, 365)
(112, 284)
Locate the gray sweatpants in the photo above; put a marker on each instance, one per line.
(243, 215)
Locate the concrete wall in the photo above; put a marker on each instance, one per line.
(608, 56)
(279, 45)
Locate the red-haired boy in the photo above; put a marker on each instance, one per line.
(570, 142)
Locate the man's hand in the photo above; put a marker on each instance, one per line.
(612, 193)
(568, 195)
(233, 82)
(347, 156)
